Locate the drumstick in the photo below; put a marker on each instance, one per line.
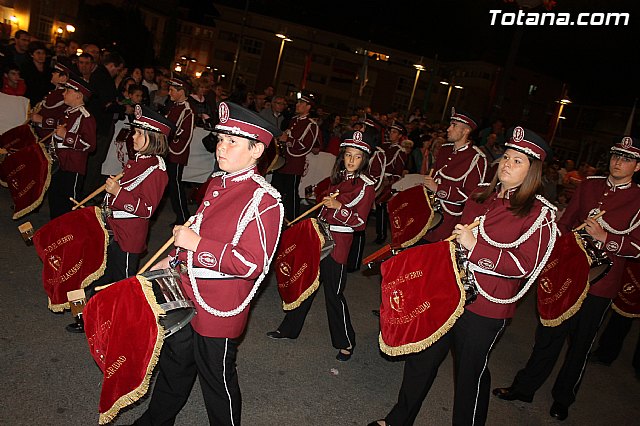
(159, 252)
(471, 226)
(46, 137)
(94, 193)
(594, 217)
(312, 209)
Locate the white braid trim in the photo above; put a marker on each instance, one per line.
(534, 273)
(141, 177)
(610, 229)
(464, 176)
(251, 213)
(524, 237)
(444, 207)
(358, 198)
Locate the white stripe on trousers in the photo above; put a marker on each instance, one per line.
(224, 378)
(344, 318)
(178, 181)
(75, 187)
(486, 361)
(604, 313)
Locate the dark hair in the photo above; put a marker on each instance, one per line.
(522, 199)
(157, 143)
(20, 33)
(113, 58)
(133, 88)
(339, 167)
(36, 45)
(86, 55)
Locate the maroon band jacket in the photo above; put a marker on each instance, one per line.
(457, 173)
(302, 135)
(141, 188)
(621, 221)
(52, 110)
(239, 221)
(182, 117)
(78, 142)
(509, 250)
(356, 196)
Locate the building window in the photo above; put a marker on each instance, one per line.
(532, 89)
(45, 25)
(223, 55)
(317, 78)
(228, 36)
(404, 85)
(321, 59)
(252, 46)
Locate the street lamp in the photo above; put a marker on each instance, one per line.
(562, 102)
(187, 60)
(284, 39)
(446, 103)
(419, 67)
(71, 28)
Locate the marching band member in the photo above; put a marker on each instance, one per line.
(345, 214)
(74, 139)
(511, 245)
(224, 256)
(387, 165)
(618, 233)
(131, 201)
(52, 106)
(181, 115)
(299, 140)
(459, 168)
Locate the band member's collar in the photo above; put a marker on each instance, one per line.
(238, 176)
(75, 108)
(508, 193)
(463, 147)
(138, 155)
(614, 187)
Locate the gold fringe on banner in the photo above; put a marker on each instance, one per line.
(426, 228)
(141, 390)
(414, 347)
(47, 182)
(316, 282)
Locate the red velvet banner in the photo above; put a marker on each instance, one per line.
(27, 174)
(73, 250)
(297, 263)
(410, 216)
(125, 339)
(627, 303)
(17, 138)
(564, 282)
(422, 297)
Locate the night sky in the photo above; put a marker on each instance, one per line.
(599, 64)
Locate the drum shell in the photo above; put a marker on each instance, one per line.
(167, 289)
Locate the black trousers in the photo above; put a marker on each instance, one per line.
(120, 265)
(177, 193)
(94, 178)
(612, 338)
(333, 278)
(63, 186)
(472, 338)
(382, 221)
(581, 330)
(287, 185)
(356, 252)
(185, 356)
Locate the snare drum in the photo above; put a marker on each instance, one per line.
(168, 291)
(600, 262)
(329, 243)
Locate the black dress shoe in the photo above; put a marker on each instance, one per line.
(380, 240)
(344, 357)
(596, 359)
(277, 335)
(376, 312)
(75, 328)
(375, 423)
(508, 394)
(558, 411)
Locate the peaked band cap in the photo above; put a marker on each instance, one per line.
(147, 119)
(176, 82)
(357, 139)
(307, 97)
(528, 142)
(399, 127)
(463, 117)
(239, 121)
(627, 147)
(61, 68)
(78, 84)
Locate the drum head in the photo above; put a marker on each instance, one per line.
(169, 295)
(597, 272)
(436, 221)
(277, 163)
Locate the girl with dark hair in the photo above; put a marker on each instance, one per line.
(505, 255)
(345, 213)
(133, 199)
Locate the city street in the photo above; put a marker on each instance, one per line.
(49, 378)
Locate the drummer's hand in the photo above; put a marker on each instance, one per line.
(283, 137)
(61, 131)
(430, 184)
(465, 237)
(186, 238)
(594, 229)
(36, 118)
(163, 264)
(112, 186)
(331, 203)
(315, 150)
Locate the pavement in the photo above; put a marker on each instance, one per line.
(49, 378)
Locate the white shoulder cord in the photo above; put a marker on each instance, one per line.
(534, 274)
(251, 213)
(471, 166)
(608, 227)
